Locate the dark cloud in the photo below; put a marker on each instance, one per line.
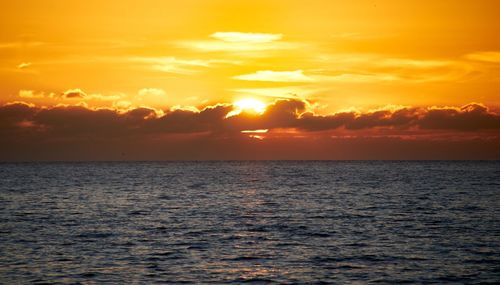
(290, 114)
(384, 118)
(472, 117)
(468, 118)
(74, 94)
(11, 114)
(186, 121)
(311, 122)
(282, 114)
(24, 126)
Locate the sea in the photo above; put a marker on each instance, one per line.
(250, 222)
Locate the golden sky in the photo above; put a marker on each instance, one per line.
(335, 57)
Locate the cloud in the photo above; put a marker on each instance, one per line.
(486, 56)
(412, 63)
(369, 68)
(30, 94)
(69, 121)
(101, 97)
(70, 94)
(246, 37)
(239, 42)
(357, 78)
(470, 117)
(24, 65)
(236, 47)
(13, 113)
(76, 93)
(275, 76)
(288, 92)
(151, 91)
(79, 132)
(23, 44)
(297, 114)
(182, 66)
(122, 104)
(152, 97)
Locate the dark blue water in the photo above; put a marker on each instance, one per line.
(250, 222)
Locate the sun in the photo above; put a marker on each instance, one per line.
(249, 105)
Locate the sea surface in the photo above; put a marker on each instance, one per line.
(250, 222)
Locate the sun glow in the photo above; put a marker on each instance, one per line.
(249, 105)
(259, 131)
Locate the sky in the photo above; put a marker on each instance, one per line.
(169, 80)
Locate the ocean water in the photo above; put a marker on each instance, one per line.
(250, 222)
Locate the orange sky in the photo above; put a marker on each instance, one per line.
(334, 57)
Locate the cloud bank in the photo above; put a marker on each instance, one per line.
(286, 122)
(282, 114)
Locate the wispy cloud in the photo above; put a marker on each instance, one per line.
(151, 91)
(275, 76)
(486, 56)
(291, 92)
(213, 46)
(239, 42)
(298, 76)
(356, 78)
(151, 97)
(13, 45)
(173, 65)
(246, 37)
(367, 67)
(69, 94)
(30, 94)
(24, 65)
(182, 66)
(101, 97)
(412, 63)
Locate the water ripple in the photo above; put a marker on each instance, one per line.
(250, 223)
